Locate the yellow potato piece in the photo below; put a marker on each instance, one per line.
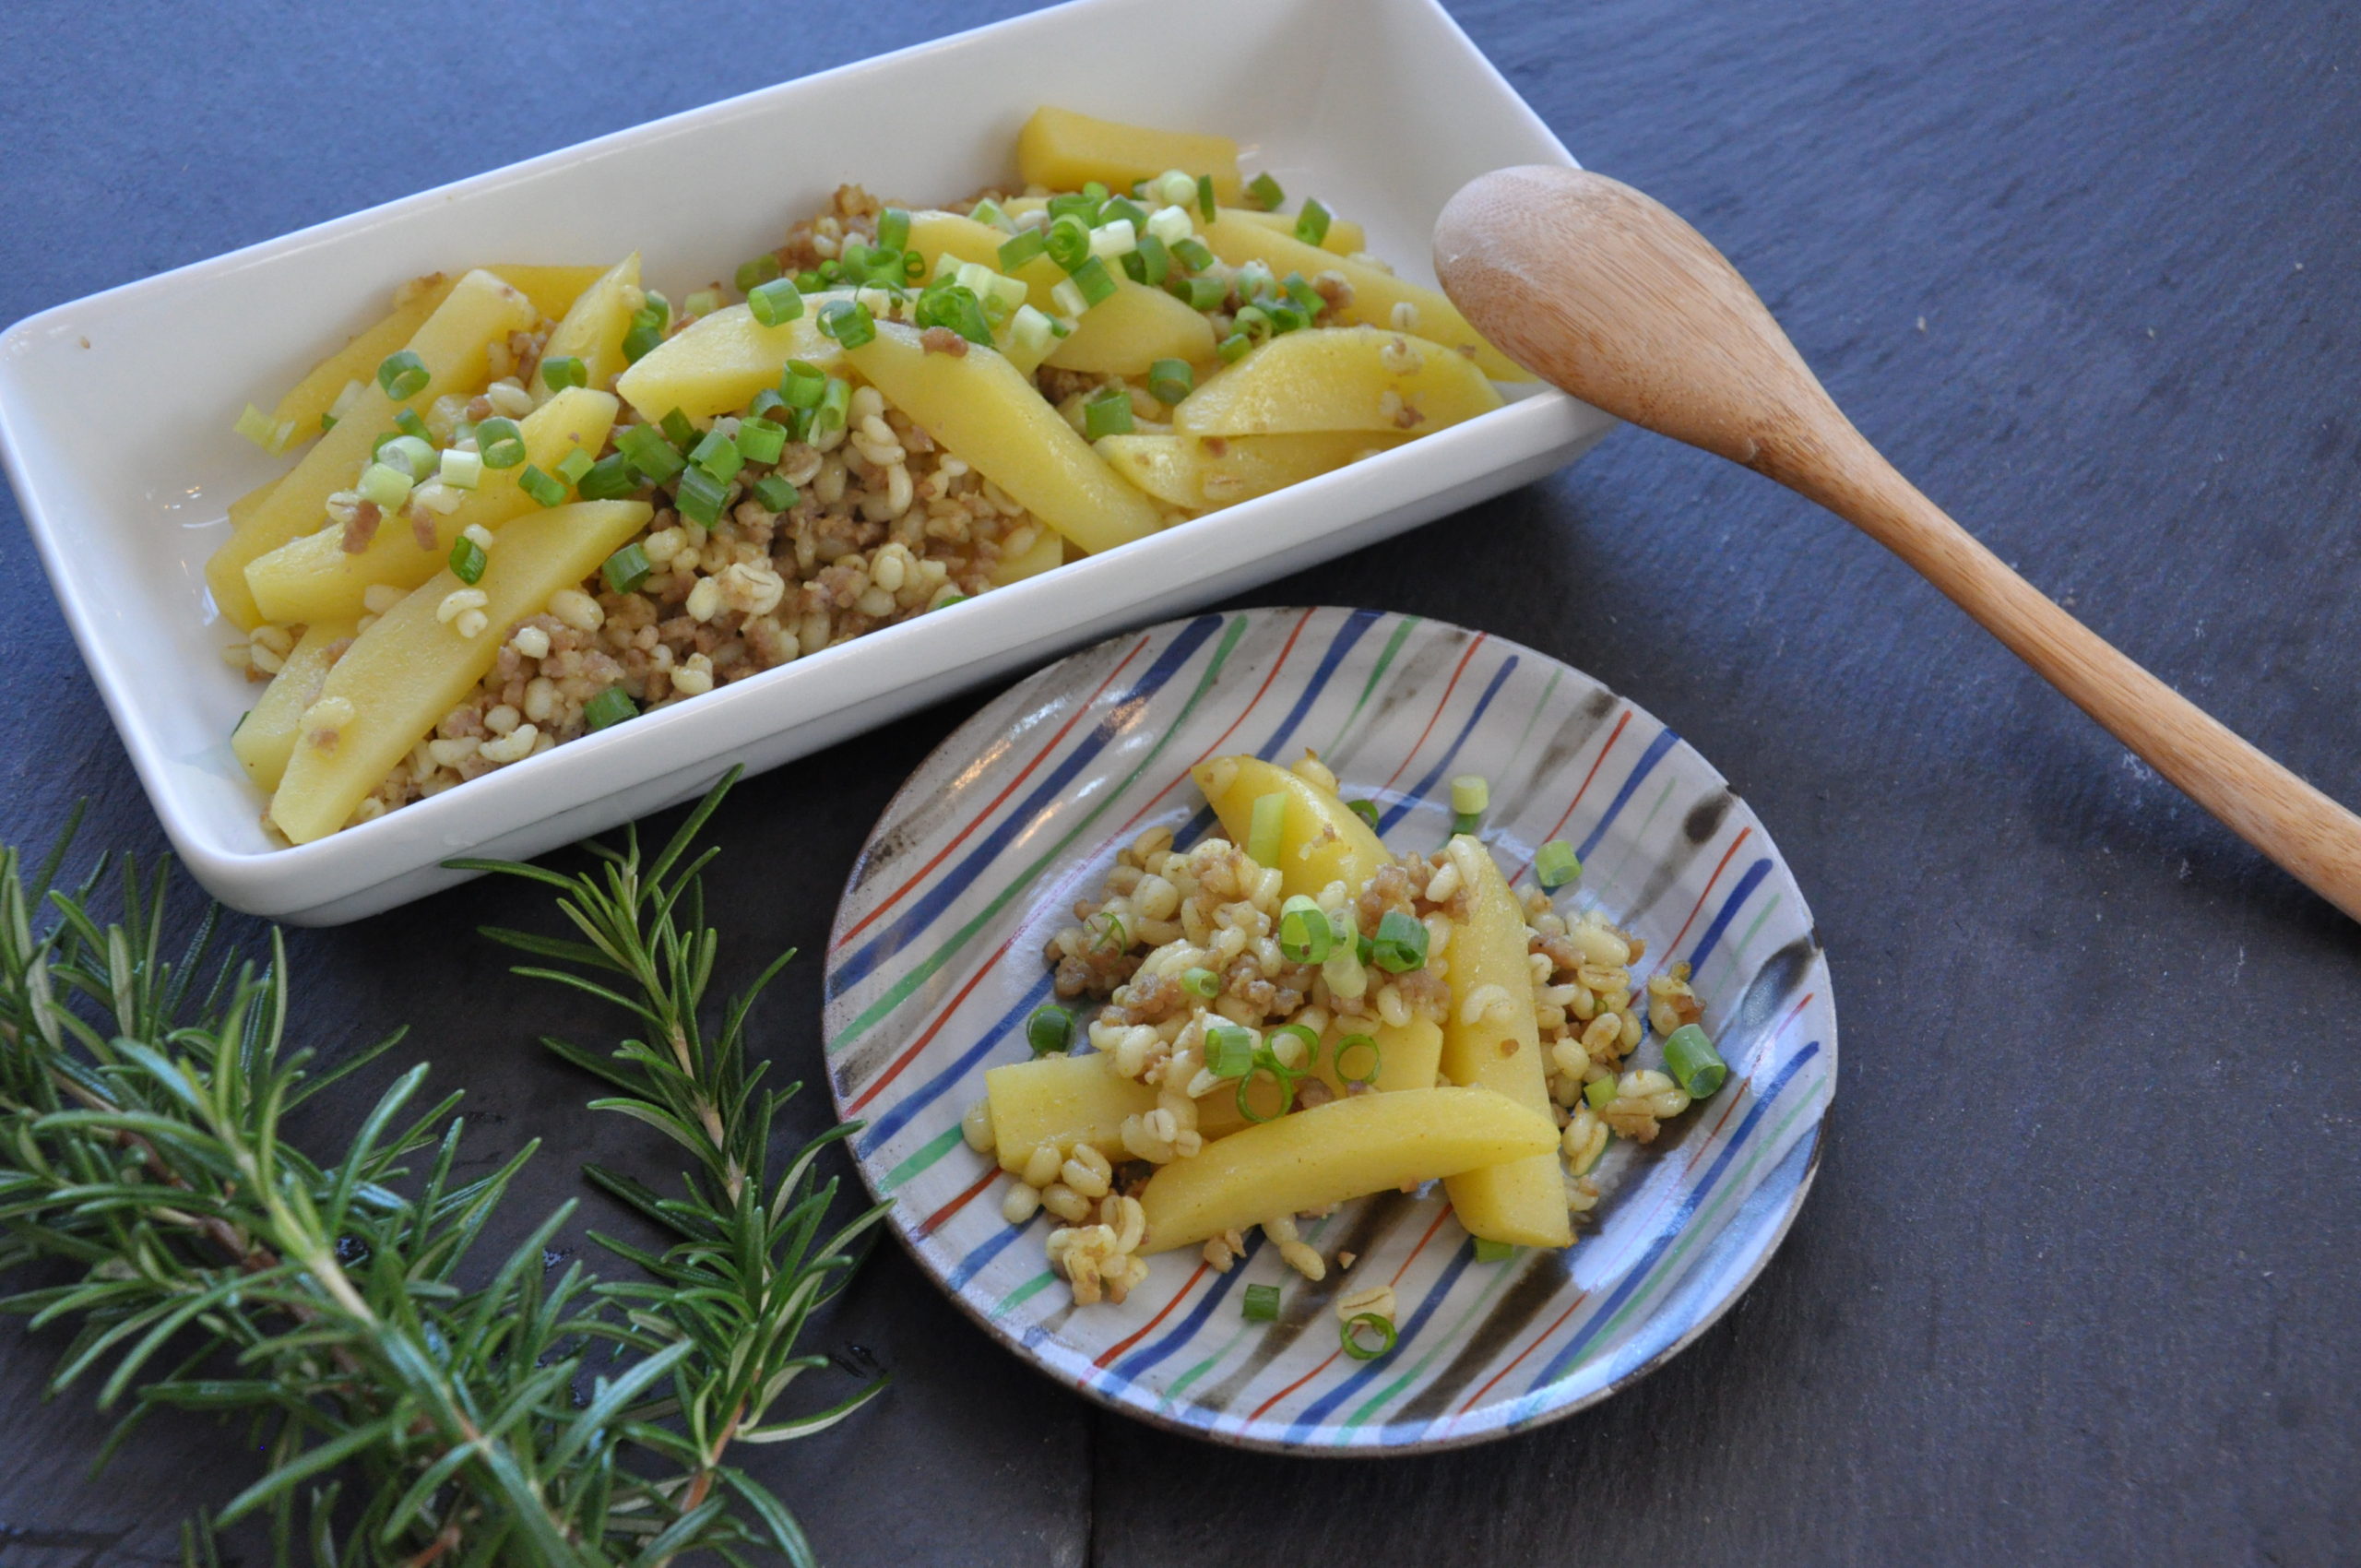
(1371, 1143)
(1061, 1099)
(265, 736)
(1203, 473)
(593, 330)
(357, 360)
(1344, 237)
(1048, 550)
(1408, 1059)
(245, 505)
(452, 343)
(985, 412)
(411, 667)
(716, 364)
(553, 290)
(1064, 150)
(1522, 1202)
(1130, 330)
(1338, 378)
(1237, 241)
(313, 577)
(937, 234)
(1322, 841)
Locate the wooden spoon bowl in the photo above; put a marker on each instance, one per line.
(1606, 292)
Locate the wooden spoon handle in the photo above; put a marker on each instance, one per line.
(2304, 830)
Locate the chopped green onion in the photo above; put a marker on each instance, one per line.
(1175, 187)
(1234, 347)
(955, 307)
(1025, 246)
(835, 401)
(1471, 794)
(656, 311)
(1201, 984)
(698, 496)
(549, 491)
(328, 422)
(849, 322)
(913, 267)
(411, 454)
(947, 603)
(1400, 944)
(1169, 381)
(408, 423)
(271, 435)
(1689, 1056)
(810, 282)
(831, 271)
(678, 430)
(1312, 223)
(776, 494)
(467, 561)
(1079, 204)
(1229, 1051)
(1253, 322)
(1097, 285)
(1192, 254)
(609, 479)
(1266, 192)
(501, 441)
(626, 569)
(775, 304)
(646, 450)
(1490, 1251)
(1068, 299)
(1355, 1345)
(718, 456)
(1466, 822)
(384, 484)
(1050, 1030)
(1066, 240)
(892, 229)
(1266, 829)
(641, 341)
(752, 275)
(1305, 935)
(1205, 197)
(460, 471)
(573, 465)
(765, 401)
(1149, 262)
(1260, 1305)
(403, 375)
(609, 708)
(1123, 210)
(989, 211)
(704, 302)
(1306, 297)
(1266, 1065)
(1307, 1048)
(1202, 294)
(1284, 316)
(561, 371)
(1358, 1043)
(800, 384)
(1556, 864)
(1107, 413)
(761, 441)
(1365, 810)
(1599, 1093)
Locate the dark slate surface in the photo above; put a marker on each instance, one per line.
(2077, 1282)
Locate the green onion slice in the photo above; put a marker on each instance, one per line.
(467, 561)
(1097, 284)
(561, 371)
(402, 375)
(697, 495)
(1149, 262)
(1261, 1303)
(1107, 413)
(1466, 822)
(1027, 244)
(646, 449)
(1470, 794)
(501, 441)
(1359, 1330)
(718, 456)
(1065, 241)
(1050, 1030)
(627, 568)
(892, 229)
(835, 401)
(1556, 864)
(1201, 984)
(611, 707)
(609, 479)
(573, 465)
(678, 431)
(1312, 223)
(1365, 810)
(1305, 935)
(1234, 347)
(775, 304)
(1354, 1070)
(1400, 944)
(1266, 1065)
(1690, 1057)
(544, 488)
(642, 342)
(1266, 192)
(800, 384)
(760, 441)
(1229, 1051)
(849, 322)
(776, 494)
(752, 275)
(1599, 1093)
(1192, 254)
(1302, 1034)
(1205, 197)
(1169, 381)
(1488, 1251)
(408, 423)
(1266, 829)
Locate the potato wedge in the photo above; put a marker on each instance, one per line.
(265, 736)
(1061, 1099)
(1132, 328)
(1350, 378)
(1048, 550)
(1344, 237)
(1524, 1202)
(1321, 842)
(357, 360)
(313, 576)
(1371, 1143)
(1066, 150)
(1204, 473)
(1164, 466)
(553, 290)
(452, 342)
(245, 505)
(1375, 293)
(716, 364)
(410, 668)
(985, 412)
(1407, 1058)
(593, 330)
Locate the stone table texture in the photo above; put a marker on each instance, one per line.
(2078, 1281)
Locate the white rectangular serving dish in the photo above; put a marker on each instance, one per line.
(1381, 108)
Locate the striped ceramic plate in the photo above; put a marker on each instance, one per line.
(936, 960)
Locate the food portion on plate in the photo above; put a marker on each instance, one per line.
(1262, 1026)
(893, 410)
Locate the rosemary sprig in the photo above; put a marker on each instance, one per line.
(412, 1405)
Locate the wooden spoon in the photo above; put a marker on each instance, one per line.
(1608, 294)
